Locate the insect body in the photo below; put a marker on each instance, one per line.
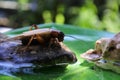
(45, 36)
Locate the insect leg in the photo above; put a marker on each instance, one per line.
(40, 39)
(29, 42)
(53, 40)
(56, 40)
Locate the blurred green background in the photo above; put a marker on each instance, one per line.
(93, 14)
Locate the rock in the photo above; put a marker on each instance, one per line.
(13, 51)
(106, 53)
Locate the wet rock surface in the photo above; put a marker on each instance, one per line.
(12, 53)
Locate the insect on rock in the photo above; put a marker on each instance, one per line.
(44, 37)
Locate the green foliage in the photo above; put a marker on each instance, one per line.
(93, 14)
(111, 16)
(78, 40)
(88, 16)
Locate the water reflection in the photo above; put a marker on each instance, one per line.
(10, 68)
(80, 37)
(7, 68)
(74, 37)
